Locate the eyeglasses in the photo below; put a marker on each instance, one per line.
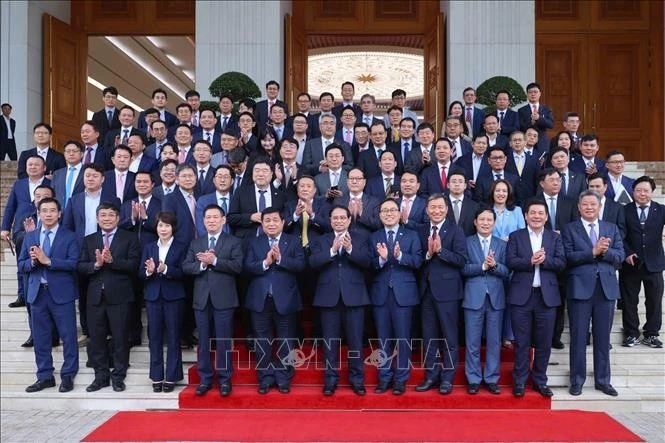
(498, 158)
(355, 179)
(617, 162)
(389, 211)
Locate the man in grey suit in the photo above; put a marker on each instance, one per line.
(313, 160)
(332, 184)
(215, 259)
(484, 302)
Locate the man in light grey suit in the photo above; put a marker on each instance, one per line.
(313, 160)
(214, 259)
(484, 302)
(336, 176)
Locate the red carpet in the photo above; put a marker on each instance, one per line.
(301, 426)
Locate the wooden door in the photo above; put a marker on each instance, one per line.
(295, 62)
(65, 79)
(434, 92)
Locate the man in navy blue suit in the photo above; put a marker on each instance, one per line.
(68, 181)
(140, 161)
(509, 121)
(621, 187)
(587, 163)
(106, 118)
(594, 252)
(274, 259)
(453, 132)
(209, 131)
(396, 256)
(94, 151)
(387, 183)
(341, 295)
(183, 203)
(535, 255)
(412, 207)
(491, 129)
(205, 173)
(42, 137)
(473, 115)
(263, 107)
(536, 115)
(223, 180)
(441, 289)
(434, 178)
(497, 160)
(348, 91)
(119, 182)
(159, 98)
(49, 257)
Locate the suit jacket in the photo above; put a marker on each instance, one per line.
(518, 259)
(466, 216)
(168, 285)
(488, 283)
(61, 274)
(614, 213)
(196, 131)
(430, 179)
(368, 221)
(7, 143)
(417, 216)
(151, 151)
(368, 162)
(207, 282)
(216, 140)
(463, 148)
(175, 202)
(338, 108)
(313, 154)
(339, 135)
(102, 157)
(231, 125)
(478, 119)
(528, 180)
(243, 205)
(341, 275)
(401, 155)
(583, 266)
(261, 112)
(109, 138)
(501, 141)
(54, 161)
(544, 122)
(376, 186)
(627, 183)
(108, 187)
(578, 164)
(149, 164)
(510, 123)
(115, 278)
(481, 192)
(100, 118)
(289, 189)
(466, 162)
(566, 211)
(19, 204)
(202, 203)
(280, 279)
(646, 241)
(322, 182)
(398, 275)
(575, 184)
(207, 185)
(441, 274)
(158, 191)
(169, 119)
(74, 214)
(315, 227)
(59, 183)
(415, 163)
(146, 230)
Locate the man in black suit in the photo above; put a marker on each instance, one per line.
(462, 208)
(106, 119)
(110, 257)
(7, 131)
(411, 207)
(473, 115)
(54, 160)
(68, 181)
(406, 143)
(348, 91)
(364, 208)
(368, 161)
(158, 101)
(311, 130)
(121, 135)
(204, 171)
(572, 183)
(367, 108)
(491, 129)
(263, 107)
(288, 172)
(523, 165)
(536, 115)
(362, 141)
(119, 182)
(209, 131)
(496, 157)
(508, 119)
(423, 157)
(645, 262)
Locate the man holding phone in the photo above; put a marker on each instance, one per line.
(332, 184)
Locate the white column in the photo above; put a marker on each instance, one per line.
(21, 60)
(486, 39)
(240, 36)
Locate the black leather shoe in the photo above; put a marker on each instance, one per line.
(202, 389)
(157, 387)
(225, 389)
(473, 388)
(493, 388)
(41, 384)
(445, 388)
(284, 389)
(28, 343)
(543, 390)
(264, 389)
(575, 390)
(518, 391)
(18, 303)
(558, 344)
(329, 390)
(118, 386)
(168, 387)
(382, 387)
(607, 390)
(359, 390)
(55, 342)
(66, 385)
(96, 385)
(399, 388)
(426, 385)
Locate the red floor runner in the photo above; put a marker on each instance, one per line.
(348, 426)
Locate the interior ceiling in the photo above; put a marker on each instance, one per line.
(138, 65)
(326, 41)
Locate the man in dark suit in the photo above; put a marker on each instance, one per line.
(484, 302)
(289, 171)
(462, 208)
(497, 160)
(348, 91)
(49, 256)
(214, 259)
(341, 295)
(54, 160)
(423, 157)
(536, 115)
(644, 265)
(273, 259)
(412, 207)
(119, 182)
(335, 175)
(473, 115)
(205, 172)
(68, 181)
(523, 165)
(441, 290)
(621, 187)
(367, 108)
(311, 121)
(434, 179)
(158, 131)
(107, 118)
(209, 131)
(491, 129)
(313, 159)
(535, 256)
(158, 101)
(183, 203)
(587, 163)
(509, 121)
(307, 217)
(7, 133)
(139, 161)
(226, 120)
(407, 142)
(572, 183)
(475, 163)
(386, 184)
(263, 107)
(594, 251)
(110, 257)
(94, 152)
(561, 209)
(362, 141)
(610, 211)
(368, 160)
(364, 208)
(396, 255)
(453, 132)
(223, 180)
(121, 135)
(167, 179)
(346, 132)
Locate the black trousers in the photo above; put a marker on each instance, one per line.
(104, 318)
(630, 282)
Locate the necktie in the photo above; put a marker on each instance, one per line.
(125, 138)
(391, 242)
(501, 114)
(208, 137)
(347, 136)
(593, 235)
(262, 200)
(497, 176)
(485, 251)
(182, 155)
(88, 155)
(564, 184)
(335, 180)
(534, 108)
(195, 120)
(643, 214)
(456, 210)
(158, 152)
(305, 225)
(278, 131)
(224, 123)
(368, 120)
(225, 208)
(468, 116)
(270, 103)
(202, 177)
(395, 132)
(453, 156)
(212, 242)
(287, 174)
(406, 209)
(237, 182)
(552, 208)
(192, 205)
(434, 229)
(378, 153)
(520, 164)
(107, 240)
(120, 185)
(406, 151)
(46, 247)
(110, 117)
(444, 178)
(70, 182)
(387, 180)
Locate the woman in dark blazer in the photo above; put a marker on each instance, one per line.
(266, 150)
(164, 302)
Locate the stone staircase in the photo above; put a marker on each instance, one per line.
(638, 373)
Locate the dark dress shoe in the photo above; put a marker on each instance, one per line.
(225, 389)
(29, 343)
(157, 387)
(18, 303)
(493, 388)
(96, 385)
(284, 389)
(558, 344)
(382, 387)
(202, 389)
(607, 390)
(400, 388)
(445, 388)
(41, 384)
(518, 391)
(329, 390)
(473, 388)
(426, 385)
(118, 386)
(66, 385)
(543, 390)
(575, 390)
(264, 389)
(359, 390)
(168, 386)
(55, 343)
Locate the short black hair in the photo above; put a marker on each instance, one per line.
(482, 209)
(128, 107)
(192, 93)
(167, 217)
(143, 171)
(76, 143)
(49, 200)
(344, 208)
(107, 90)
(122, 147)
(157, 91)
(213, 206)
(596, 175)
(272, 82)
(272, 210)
(533, 85)
(108, 205)
(534, 201)
(647, 179)
(43, 125)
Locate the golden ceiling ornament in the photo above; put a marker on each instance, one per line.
(366, 78)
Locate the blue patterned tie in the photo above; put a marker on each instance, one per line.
(46, 247)
(70, 182)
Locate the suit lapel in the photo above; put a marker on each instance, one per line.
(477, 249)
